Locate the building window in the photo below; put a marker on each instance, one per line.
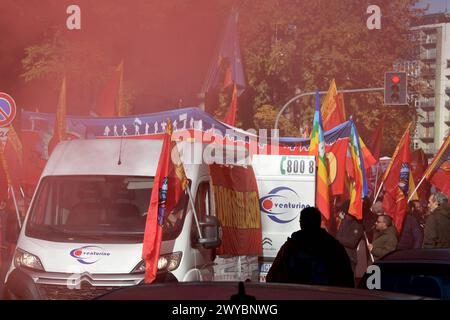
(448, 63)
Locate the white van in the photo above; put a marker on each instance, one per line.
(286, 185)
(84, 229)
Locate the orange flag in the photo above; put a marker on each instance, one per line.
(332, 109)
(230, 117)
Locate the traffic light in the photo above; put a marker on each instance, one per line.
(395, 84)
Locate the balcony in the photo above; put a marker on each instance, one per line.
(429, 151)
(427, 105)
(429, 92)
(429, 30)
(427, 139)
(428, 57)
(427, 122)
(429, 43)
(428, 73)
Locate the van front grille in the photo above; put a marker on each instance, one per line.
(63, 292)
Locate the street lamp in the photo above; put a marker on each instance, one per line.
(277, 120)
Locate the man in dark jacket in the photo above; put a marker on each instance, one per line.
(437, 226)
(312, 256)
(350, 233)
(385, 237)
(412, 233)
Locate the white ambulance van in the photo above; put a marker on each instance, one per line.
(83, 232)
(286, 185)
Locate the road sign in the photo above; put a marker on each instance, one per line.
(7, 109)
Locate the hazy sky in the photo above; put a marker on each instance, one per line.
(436, 5)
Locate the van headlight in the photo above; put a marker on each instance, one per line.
(27, 260)
(169, 262)
(166, 262)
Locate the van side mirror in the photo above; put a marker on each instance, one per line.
(211, 232)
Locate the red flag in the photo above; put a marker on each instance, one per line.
(230, 117)
(375, 140)
(60, 127)
(441, 178)
(438, 170)
(336, 116)
(168, 185)
(419, 164)
(237, 207)
(110, 101)
(336, 155)
(396, 182)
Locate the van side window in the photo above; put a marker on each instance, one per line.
(202, 207)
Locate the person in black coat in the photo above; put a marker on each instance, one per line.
(350, 233)
(412, 233)
(312, 256)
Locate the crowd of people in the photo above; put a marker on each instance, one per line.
(313, 256)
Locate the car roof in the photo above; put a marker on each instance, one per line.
(441, 256)
(260, 291)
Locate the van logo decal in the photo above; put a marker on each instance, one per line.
(267, 242)
(282, 205)
(89, 254)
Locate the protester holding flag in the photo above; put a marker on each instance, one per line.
(385, 237)
(412, 233)
(350, 232)
(437, 226)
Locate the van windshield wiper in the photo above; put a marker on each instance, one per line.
(103, 234)
(70, 234)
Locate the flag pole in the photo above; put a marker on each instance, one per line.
(417, 187)
(367, 245)
(22, 192)
(378, 193)
(11, 189)
(191, 201)
(376, 175)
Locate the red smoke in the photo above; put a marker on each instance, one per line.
(167, 47)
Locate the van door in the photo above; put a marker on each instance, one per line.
(203, 258)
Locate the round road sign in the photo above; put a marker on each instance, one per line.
(7, 109)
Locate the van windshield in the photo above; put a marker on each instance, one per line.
(110, 209)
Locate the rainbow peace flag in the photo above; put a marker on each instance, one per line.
(359, 188)
(317, 148)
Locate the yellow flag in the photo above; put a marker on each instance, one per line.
(61, 112)
(4, 164)
(13, 138)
